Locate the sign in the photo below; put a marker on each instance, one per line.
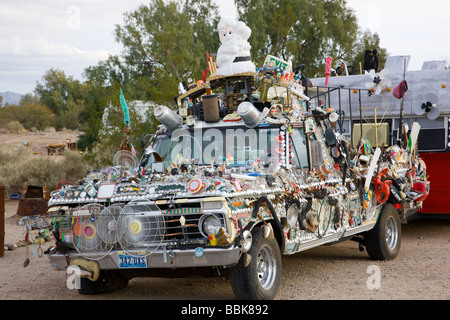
(272, 61)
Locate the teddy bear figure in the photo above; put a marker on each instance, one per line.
(233, 55)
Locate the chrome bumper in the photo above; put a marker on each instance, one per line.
(167, 258)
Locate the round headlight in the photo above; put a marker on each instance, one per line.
(209, 225)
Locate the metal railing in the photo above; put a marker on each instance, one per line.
(325, 91)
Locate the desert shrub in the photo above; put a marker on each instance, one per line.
(9, 153)
(74, 166)
(28, 115)
(67, 120)
(15, 127)
(38, 116)
(102, 152)
(19, 168)
(50, 130)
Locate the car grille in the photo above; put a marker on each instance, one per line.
(142, 226)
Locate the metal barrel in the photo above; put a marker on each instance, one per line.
(168, 117)
(210, 108)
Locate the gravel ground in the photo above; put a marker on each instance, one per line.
(337, 272)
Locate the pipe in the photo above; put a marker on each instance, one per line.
(306, 210)
(2, 220)
(280, 224)
(319, 194)
(360, 116)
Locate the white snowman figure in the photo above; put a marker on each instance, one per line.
(233, 55)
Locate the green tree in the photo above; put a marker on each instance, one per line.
(29, 98)
(301, 31)
(96, 99)
(368, 41)
(162, 39)
(63, 95)
(35, 116)
(111, 133)
(102, 118)
(159, 41)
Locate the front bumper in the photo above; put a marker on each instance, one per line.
(165, 258)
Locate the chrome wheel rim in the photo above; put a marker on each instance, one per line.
(266, 267)
(391, 233)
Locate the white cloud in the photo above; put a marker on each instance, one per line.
(414, 27)
(70, 35)
(74, 34)
(42, 47)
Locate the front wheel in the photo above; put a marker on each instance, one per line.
(260, 279)
(383, 241)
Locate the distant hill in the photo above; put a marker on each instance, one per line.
(10, 97)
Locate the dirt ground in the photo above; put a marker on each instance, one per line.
(38, 141)
(337, 272)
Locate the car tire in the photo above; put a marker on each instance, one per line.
(261, 278)
(384, 240)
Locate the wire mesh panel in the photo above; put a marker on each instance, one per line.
(85, 233)
(142, 227)
(109, 229)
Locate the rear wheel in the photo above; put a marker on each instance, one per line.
(261, 278)
(383, 241)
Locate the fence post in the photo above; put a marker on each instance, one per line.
(2, 220)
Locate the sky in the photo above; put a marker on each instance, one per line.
(71, 35)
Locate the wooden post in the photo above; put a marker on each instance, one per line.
(2, 220)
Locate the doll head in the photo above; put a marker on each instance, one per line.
(231, 29)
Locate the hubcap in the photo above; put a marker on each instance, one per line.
(391, 233)
(266, 267)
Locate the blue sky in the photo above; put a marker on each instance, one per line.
(74, 34)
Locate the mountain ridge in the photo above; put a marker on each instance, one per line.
(10, 98)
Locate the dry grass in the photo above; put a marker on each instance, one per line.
(15, 127)
(19, 168)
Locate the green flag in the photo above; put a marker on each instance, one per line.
(126, 113)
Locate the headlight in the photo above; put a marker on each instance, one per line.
(209, 224)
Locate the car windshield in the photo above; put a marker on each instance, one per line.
(235, 147)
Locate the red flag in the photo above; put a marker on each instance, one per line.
(327, 69)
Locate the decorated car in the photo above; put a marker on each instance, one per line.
(246, 169)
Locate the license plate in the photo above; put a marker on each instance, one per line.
(132, 260)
